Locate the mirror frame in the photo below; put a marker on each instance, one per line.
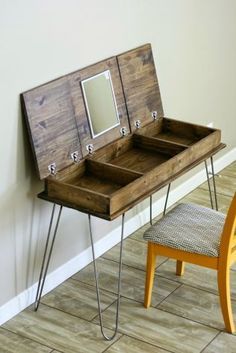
(105, 73)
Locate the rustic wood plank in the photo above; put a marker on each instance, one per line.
(140, 85)
(118, 169)
(157, 145)
(107, 171)
(113, 150)
(152, 128)
(164, 140)
(71, 173)
(52, 127)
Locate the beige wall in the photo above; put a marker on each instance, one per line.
(195, 52)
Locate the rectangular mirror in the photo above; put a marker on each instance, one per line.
(100, 103)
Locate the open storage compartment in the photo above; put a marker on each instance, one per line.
(117, 175)
(196, 139)
(92, 187)
(138, 153)
(179, 132)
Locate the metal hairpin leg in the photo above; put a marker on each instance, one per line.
(165, 206)
(151, 210)
(214, 183)
(209, 185)
(47, 254)
(119, 280)
(167, 195)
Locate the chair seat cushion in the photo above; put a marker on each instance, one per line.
(189, 227)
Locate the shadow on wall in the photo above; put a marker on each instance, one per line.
(26, 168)
(36, 213)
(21, 214)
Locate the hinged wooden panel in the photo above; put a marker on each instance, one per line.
(51, 123)
(140, 85)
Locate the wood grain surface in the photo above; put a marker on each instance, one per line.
(140, 84)
(52, 127)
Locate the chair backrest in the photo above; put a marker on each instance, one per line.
(228, 238)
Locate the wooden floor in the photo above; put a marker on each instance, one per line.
(184, 317)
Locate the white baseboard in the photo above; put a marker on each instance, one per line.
(26, 298)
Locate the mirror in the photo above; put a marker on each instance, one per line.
(100, 103)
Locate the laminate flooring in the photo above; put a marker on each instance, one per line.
(185, 315)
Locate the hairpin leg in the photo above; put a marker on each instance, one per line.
(47, 256)
(214, 183)
(209, 185)
(97, 285)
(165, 206)
(167, 196)
(151, 210)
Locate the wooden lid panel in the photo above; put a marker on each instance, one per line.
(52, 127)
(80, 109)
(140, 85)
(56, 113)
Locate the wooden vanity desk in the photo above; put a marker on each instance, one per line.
(106, 173)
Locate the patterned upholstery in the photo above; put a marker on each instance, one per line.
(189, 227)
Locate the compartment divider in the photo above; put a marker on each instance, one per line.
(112, 172)
(183, 145)
(158, 145)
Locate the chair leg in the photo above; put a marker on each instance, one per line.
(225, 299)
(150, 270)
(179, 268)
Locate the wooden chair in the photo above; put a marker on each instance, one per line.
(198, 235)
